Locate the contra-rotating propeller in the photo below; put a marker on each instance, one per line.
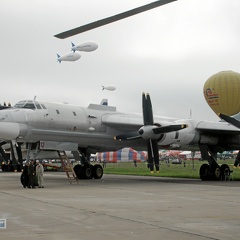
(152, 144)
(151, 132)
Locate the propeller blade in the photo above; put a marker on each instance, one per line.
(145, 115)
(147, 109)
(230, 120)
(150, 155)
(171, 128)
(152, 145)
(153, 155)
(129, 136)
(111, 19)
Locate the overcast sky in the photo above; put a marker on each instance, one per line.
(169, 52)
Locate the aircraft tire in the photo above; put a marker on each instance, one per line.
(97, 171)
(215, 173)
(204, 172)
(224, 170)
(78, 171)
(88, 171)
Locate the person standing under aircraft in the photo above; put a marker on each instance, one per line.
(24, 176)
(39, 173)
(31, 175)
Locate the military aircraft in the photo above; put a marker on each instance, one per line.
(97, 128)
(101, 128)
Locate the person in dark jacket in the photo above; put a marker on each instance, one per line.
(24, 176)
(31, 175)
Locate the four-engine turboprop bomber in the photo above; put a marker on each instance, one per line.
(96, 128)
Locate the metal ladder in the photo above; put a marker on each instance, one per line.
(67, 167)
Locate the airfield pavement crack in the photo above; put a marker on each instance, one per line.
(112, 216)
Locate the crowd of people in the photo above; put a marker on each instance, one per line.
(32, 175)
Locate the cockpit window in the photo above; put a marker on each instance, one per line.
(38, 105)
(28, 104)
(43, 106)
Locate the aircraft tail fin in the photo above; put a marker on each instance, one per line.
(58, 58)
(73, 45)
(104, 102)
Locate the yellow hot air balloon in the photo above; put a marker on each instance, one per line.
(222, 92)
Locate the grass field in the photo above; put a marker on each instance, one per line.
(173, 170)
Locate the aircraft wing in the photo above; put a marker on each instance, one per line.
(126, 122)
(221, 128)
(132, 122)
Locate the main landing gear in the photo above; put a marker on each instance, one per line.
(88, 171)
(212, 170)
(215, 173)
(85, 170)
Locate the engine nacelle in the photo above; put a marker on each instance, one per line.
(178, 138)
(168, 139)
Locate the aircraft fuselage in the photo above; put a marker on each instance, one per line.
(92, 128)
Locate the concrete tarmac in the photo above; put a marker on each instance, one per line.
(119, 207)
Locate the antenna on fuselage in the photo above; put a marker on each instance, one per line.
(190, 114)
